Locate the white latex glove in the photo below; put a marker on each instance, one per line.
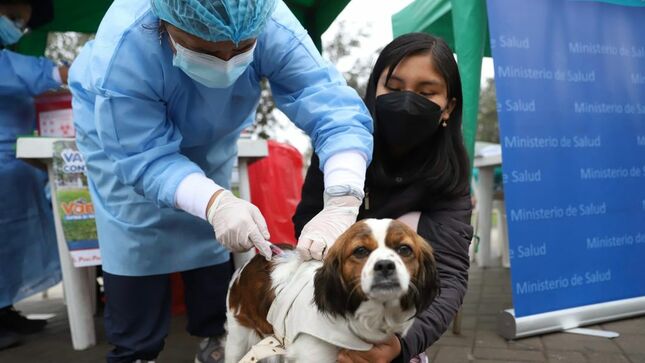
(322, 230)
(238, 224)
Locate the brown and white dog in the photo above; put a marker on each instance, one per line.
(371, 284)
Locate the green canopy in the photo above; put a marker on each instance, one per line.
(316, 15)
(463, 24)
(85, 16)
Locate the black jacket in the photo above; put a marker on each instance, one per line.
(444, 223)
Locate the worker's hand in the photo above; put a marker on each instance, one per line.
(380, 353)
(63, 71)
(322, 230)
(238, 224)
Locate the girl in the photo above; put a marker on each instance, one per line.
(419, 174)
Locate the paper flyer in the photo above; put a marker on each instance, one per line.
(75, 204)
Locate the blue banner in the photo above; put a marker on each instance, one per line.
(570, 79)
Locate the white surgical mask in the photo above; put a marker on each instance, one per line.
(209, 70)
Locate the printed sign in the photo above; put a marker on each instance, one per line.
(57, 123)
(570, 79)
(75, 204)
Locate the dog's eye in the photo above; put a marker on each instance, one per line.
(361, 252)
(404, 250)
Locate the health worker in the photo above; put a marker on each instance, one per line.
(160, 99)
(28, 253)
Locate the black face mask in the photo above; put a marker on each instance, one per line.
(405, 119)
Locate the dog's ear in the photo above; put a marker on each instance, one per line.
(330, 292)
(333, 293)
(426, 281)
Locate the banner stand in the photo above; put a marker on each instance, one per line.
(600, 333)
(570, 78)
(511, 327)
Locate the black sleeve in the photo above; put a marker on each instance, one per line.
(448, 230)
(311, 201)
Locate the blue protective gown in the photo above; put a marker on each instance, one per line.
(28, 252)
(143, 125)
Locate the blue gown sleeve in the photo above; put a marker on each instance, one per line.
(310, 91)
(22, 75)
(133, 126)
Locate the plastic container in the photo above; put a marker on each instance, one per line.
(54, 113)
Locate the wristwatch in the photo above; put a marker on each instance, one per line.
(341, 191)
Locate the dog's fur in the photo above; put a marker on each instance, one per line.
(376, 277)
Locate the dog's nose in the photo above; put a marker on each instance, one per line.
(384, 267)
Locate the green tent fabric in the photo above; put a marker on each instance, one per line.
(316, 15)
(85, 16)
(69, 16)
(463, 24)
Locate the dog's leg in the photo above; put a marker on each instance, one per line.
(239, 339)
(308, 349)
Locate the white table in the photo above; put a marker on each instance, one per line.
(485, 185)
(78, 283)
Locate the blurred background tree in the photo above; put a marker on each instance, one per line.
(488, 124)
(266, 124)
(64, 47)
(343, 49)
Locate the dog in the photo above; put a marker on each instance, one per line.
(370, 286)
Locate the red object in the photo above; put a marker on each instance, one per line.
(276, 185)
(54, 112)
(177, 288)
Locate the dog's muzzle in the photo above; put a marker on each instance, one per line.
(385, 276)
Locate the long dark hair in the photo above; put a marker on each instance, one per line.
(443, 165)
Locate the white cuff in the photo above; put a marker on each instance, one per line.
(346, 168)
(56, 75)
(193, 194)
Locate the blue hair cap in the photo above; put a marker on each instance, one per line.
(216, 20)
